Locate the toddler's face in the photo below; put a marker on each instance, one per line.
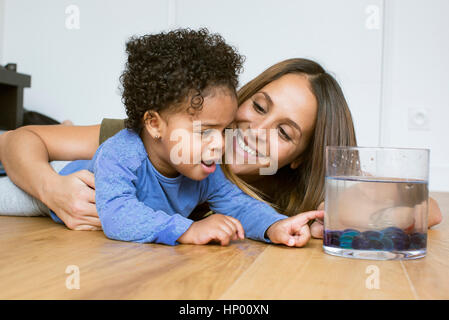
(193, 144)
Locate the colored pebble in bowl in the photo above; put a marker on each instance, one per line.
(372, 235)
(418, 240)
(391, 238)
(347, 237)
(360, 243)
(332, 238)
(388, 243)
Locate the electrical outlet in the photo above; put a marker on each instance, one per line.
(418, 119)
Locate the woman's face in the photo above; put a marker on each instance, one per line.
(286, 105)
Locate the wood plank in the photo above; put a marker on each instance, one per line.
(309, 273)
(34, 265)
(35, 252)
(429, 275)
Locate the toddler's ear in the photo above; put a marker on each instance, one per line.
(153, 123)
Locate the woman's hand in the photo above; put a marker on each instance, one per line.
(435, 216)
(215, 228)
(72, 198)
(293, 231)
(25, 154)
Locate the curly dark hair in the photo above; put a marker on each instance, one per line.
(166, 68)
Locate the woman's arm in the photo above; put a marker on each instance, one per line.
(25, 154)
(435, 216)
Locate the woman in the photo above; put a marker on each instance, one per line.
(297, 97)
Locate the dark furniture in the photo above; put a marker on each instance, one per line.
(11, 98)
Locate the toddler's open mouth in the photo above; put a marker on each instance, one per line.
(208, 165)
(208, 162)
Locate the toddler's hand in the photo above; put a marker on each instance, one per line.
(216, 227)
(293, 231)
(317, 227)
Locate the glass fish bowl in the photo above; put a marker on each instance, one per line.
(376, 203)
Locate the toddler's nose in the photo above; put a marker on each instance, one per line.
(216, 144)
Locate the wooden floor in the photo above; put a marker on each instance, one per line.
(35, 254)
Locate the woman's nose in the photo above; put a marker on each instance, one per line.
(258, 131)
(263, 123)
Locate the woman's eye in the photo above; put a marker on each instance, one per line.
(284, 134)
(258, 108)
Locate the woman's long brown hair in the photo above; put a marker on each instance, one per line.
(302, 189)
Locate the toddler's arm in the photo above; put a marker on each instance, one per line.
(255, 216)
(122, 215)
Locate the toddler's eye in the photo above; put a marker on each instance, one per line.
(206, 132)
(224, 130)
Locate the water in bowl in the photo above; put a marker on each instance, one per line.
(375, 218)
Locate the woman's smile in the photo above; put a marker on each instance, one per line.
(243, 143)
(249, 153)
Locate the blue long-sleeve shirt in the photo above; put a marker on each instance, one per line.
(137, 203)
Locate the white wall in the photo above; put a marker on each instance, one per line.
(334, 35)
(416, 81)
(75, 72)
